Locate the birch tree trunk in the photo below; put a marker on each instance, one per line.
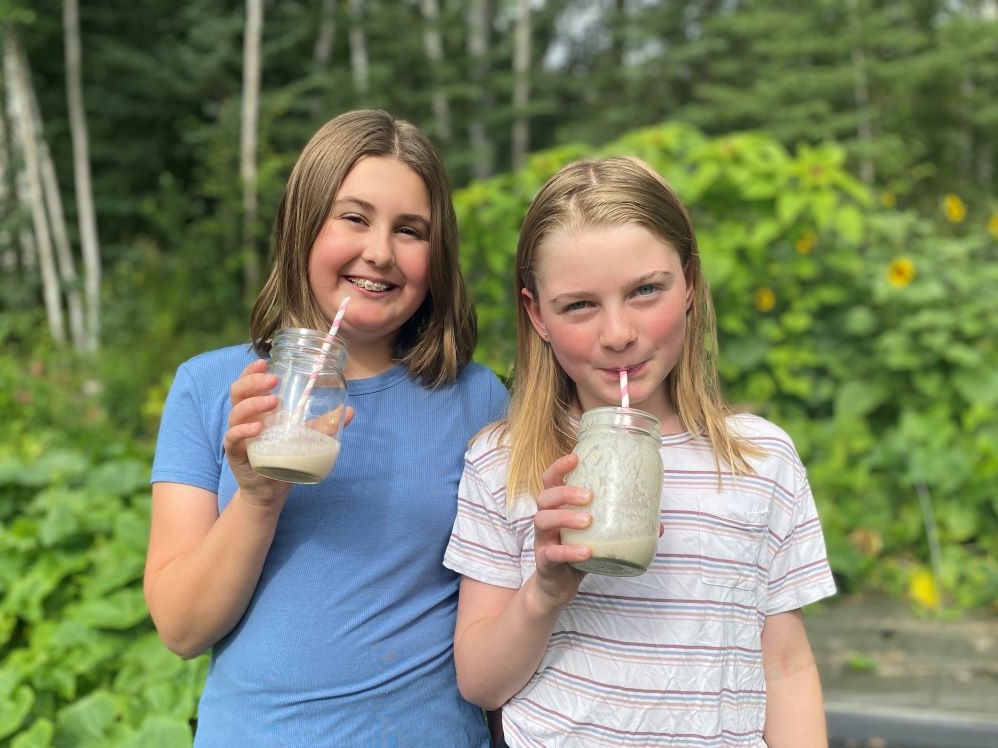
(434, 48)
(65, 264)
(8, 250)
(521, 84)
(479, 20)
(359, 62)
(247, 143)
(86, 214)
(19, 110)
(322, 52)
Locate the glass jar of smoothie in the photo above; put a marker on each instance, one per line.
(301, 439)
(620, 462)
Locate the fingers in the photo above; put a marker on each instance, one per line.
(250, 394)
(555, 474)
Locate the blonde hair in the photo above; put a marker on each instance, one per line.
(605, 193)
(439, 339)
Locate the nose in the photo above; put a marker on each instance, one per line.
(378, 250)
(618, 330)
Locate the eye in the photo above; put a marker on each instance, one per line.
(354, 218)
(647, 289)
(575, 306)
(410, 231)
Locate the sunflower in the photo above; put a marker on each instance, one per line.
(954, 208)
(900, 272)
(765, 299)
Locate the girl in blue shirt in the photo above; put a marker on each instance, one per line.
(326, 609)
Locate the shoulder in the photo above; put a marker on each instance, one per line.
(478, 376)
(225, 359)
(779, 452)
(752, 427)
(214, 371)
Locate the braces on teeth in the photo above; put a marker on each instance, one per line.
(370, 285)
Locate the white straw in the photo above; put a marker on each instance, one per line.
(625, 398)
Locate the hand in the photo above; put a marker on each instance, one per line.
(558, 581)
(251, 402)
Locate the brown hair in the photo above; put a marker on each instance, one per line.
(608, 192)
(439, 339)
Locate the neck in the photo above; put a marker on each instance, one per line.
(368, 360)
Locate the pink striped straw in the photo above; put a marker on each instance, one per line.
(625, 397)
(327, 345)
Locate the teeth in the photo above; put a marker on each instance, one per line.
(370, 285)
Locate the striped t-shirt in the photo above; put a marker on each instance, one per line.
(671, 657)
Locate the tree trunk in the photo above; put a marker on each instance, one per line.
(359, 63)
(479, 21)
(322, 53)
(521, 84)
(66, 265)
(434, 48)
(247, 143)
(19, 109)
(8, 250)
(861, 96)
(87, 217)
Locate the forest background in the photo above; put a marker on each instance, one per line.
(839, 159)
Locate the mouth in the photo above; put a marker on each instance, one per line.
(369, 285)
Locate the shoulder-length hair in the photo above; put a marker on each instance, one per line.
(599, 194)
(439, 339)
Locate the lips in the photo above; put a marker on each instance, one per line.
(369, 285)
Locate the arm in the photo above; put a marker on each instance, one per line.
(502, 633)
(202, 568)
(795, 715)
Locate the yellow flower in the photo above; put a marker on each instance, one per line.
(954, 208)
(888, 199)
(805, 243)
(922, 588)
(993, 225)
(901, 272)
(765, 299)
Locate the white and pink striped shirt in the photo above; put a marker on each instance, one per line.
(672, 657)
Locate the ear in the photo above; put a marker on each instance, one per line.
(533, 310)
(689, 292)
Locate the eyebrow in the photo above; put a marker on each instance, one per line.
(369, 208)
(655, 276)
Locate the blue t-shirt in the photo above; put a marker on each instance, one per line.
(348, 639)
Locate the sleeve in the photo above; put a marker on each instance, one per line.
(483, 544)
(799, 573)
(186, 450)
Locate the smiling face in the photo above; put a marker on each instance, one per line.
(607, 299)
(375, 248)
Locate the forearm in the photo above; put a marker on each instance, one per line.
(198, 595)
(496, 656)
(795, 712)
(795, 716)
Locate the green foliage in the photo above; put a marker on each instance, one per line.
(80, 664)
(866, 331)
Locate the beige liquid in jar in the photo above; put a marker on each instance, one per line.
(296, 454)
(619, 461)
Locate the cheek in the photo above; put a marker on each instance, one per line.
(571, 346)
(668, 327)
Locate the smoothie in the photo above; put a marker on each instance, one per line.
(619, 462)
(296, 454)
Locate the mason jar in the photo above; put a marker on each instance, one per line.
(620, 462)
(301, 438)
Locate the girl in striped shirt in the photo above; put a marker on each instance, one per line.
(705, 649)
